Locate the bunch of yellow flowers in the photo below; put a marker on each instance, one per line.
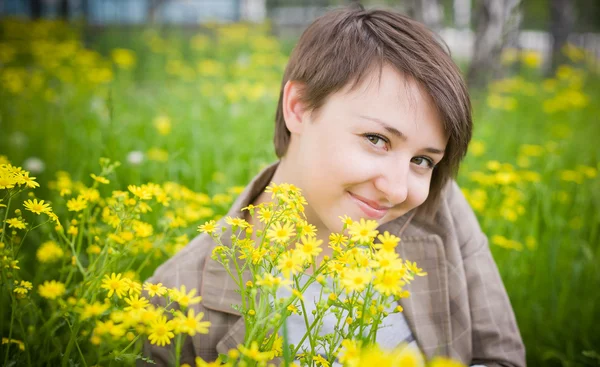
(70, 290)
(360, 283)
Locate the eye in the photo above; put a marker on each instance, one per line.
(377, 140)
(424, 162)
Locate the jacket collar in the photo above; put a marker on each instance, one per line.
(427, 310)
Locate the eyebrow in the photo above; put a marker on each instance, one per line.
(392, 130)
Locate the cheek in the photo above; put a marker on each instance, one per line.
(418, 191)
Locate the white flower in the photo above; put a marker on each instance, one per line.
(135, 157)
(34, 165)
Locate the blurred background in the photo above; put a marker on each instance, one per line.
(186, 91)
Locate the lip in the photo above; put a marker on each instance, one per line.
(371, 209)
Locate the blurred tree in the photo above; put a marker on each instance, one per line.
(63, 9)
(495, 18)
(428, 12)
(153, 6)
(36, 8)
(562, 18)
(85, 10)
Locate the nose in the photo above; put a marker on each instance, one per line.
(393, 182)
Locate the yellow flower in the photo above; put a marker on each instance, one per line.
(135, 303)
(306, 229)
(412, 266)
(444, 362)
(338, 240)
(281, 233)
(363, 231)
(236, 222)
(477, 148)
(408, 356)
(123, 57)
(191, 323)
(20, 290)
(289, 264)
(350, 352)
(347, 221)
(37, 207)
(93, 310)
(114, 284)
(29, 181)
(157, 154)
(183, 298)
(386, 260)
(276, 190)
(143, 192)
(155, 289)
(25, 284)
(309, 247)
(265, 214)
(320, 360)
(14, 341)
(142, 229)
(292, 309)
(355, 279)
(109, 327)
(49, 251)
(51, 289)
(571, 176)
(531, 58)
(78, 204)
(163, 125)
(208, 227)
(388, 242)
(254, 353)
(160, 331)
(270, 281)
(388, 282)
(16, 223)
(100, 179)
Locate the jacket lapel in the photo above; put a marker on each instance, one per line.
(427, 310)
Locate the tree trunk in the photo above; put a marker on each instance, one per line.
(36, 9)
(428, 12)
(153, 8)
(85, 10)
(63, 10)
(495, 19)
(562, 17)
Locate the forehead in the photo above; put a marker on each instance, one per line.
(387, 86)
(390, 96)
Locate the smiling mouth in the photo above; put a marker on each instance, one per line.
(368, 210)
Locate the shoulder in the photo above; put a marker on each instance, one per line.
(185, 267)
(458, 208)
(453, 217)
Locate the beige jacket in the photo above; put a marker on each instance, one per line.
(460, 309)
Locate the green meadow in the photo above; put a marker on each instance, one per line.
(196, 108)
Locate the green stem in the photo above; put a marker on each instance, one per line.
(12, 319)
(74, 337)
(129, 345)
(178, 351)
(312, 342)
(25, 235)
(4, 221)
(26, 345)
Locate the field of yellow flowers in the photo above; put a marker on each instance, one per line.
(119, 135)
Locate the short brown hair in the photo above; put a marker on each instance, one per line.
(342, 47)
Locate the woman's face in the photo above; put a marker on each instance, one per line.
(367, 154)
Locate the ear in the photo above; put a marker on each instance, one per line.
(293, 108)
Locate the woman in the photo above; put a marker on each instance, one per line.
(372, 122)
